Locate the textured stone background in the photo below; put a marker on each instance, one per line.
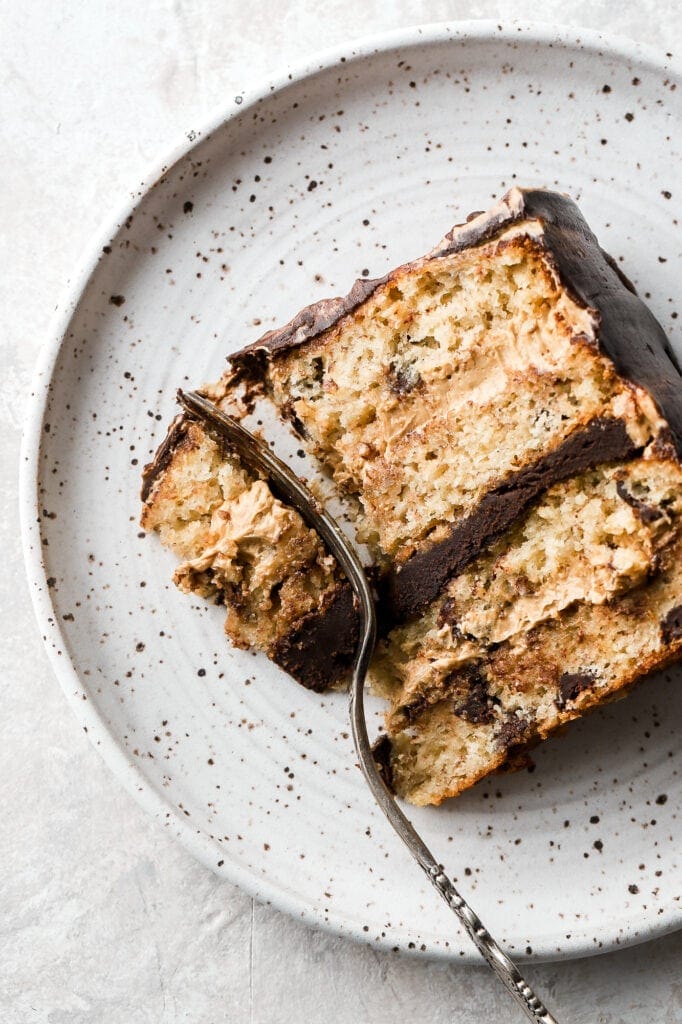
(102, 919)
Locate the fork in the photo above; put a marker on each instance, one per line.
(286, 486)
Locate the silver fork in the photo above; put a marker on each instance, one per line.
(287, 486)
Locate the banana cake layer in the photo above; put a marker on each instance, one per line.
(575, 602)
(503, 415)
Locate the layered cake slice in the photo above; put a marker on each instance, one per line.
(504, 417)
(241, 547)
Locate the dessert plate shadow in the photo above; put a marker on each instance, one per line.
(358, 161)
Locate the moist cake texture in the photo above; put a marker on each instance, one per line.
(239, 545)
(503, 416)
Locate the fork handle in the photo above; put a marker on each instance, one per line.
(498, 961)
(505, 969)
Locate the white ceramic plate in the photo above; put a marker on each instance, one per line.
(357, 162)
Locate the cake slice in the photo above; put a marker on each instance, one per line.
(241, 547)
(503, 414)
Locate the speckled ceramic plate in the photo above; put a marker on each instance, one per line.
(352, 164)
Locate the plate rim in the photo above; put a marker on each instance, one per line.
(101, 736)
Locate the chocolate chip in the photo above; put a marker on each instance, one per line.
(289, 413)
(647, 513)
(447, 616)
(381, 752)
(671, 626)
(403, 379)
(317, 366)
(474, 704)
(514, 730)
(571, 684)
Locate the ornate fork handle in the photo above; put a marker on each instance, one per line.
(286, 485)
(498, 961)
(505, 969)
